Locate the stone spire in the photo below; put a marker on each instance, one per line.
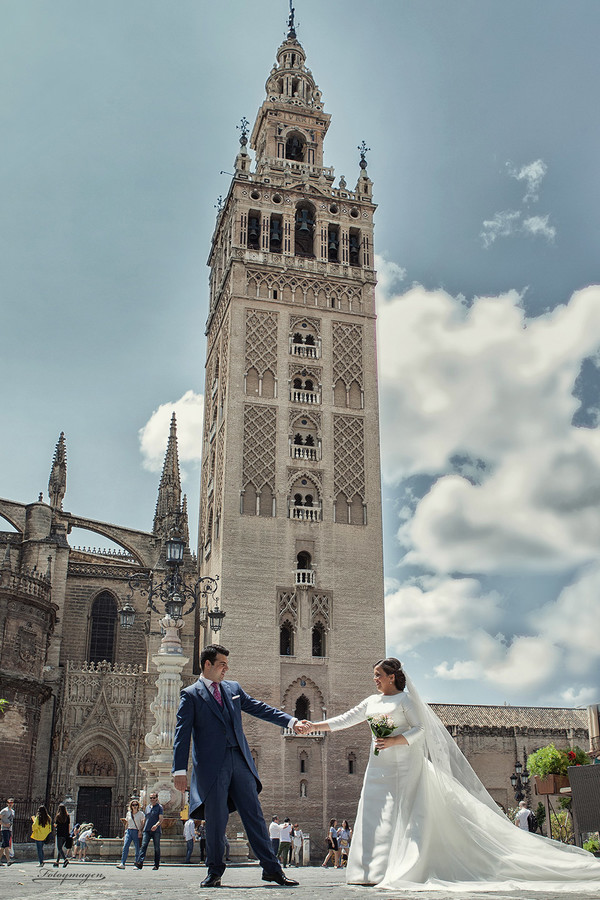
(170, 512)
(57, 485)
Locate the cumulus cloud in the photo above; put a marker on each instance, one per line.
(189, 411)
(389, 276)
(437, 608)
(480, 382)
(532, 174)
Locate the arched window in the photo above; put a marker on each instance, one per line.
(275, 235)
(295, 144)
(303, 789)
(103, 628)
(333, 243)
(302, 710)
(318, 640)
(304, 560)
(286, 642)
(304, 230)
(253, 230)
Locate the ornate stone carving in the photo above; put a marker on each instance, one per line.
(260, 427)
(349, 456)
(261, 341)
(347, 353)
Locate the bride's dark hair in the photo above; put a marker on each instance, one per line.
(393, 666)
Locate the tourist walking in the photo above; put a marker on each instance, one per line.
(62, 821)
(152, 832)
(344, 837)
(333, 848)
(7, 817)
(41, 826)
(134, 823)
(285, 842)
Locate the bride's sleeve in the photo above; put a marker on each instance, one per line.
(416, 729)
(349, 718)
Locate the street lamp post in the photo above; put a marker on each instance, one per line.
(519, 780)
(179, 598)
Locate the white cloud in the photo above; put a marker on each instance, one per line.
(503, 224)
(584, 696)
(189, 411)
(437, 608)
(389, 276)
(532, 174)
(538, 225)
(479, 381)
(512, 221)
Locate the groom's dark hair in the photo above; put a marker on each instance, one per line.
(209, 654)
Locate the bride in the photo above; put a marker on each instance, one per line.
(424, 819)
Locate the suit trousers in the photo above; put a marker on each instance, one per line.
(235, 780)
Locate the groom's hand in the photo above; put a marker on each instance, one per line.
(180, 783)
(300, 727)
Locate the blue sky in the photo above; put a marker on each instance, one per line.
(117, 119)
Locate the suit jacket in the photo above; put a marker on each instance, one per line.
(200, 717)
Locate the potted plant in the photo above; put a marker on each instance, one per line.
(593, 845)
(549, 767)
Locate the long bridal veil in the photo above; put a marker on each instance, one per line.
(454, 837)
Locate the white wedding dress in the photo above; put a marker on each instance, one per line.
(425, 821)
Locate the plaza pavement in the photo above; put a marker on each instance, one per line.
(103, 881)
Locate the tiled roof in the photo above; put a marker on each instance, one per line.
(510, 716)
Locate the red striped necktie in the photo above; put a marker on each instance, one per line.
(217, 693)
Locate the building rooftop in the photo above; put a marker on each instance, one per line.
(510, 716)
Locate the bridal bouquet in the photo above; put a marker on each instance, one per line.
(381, 726)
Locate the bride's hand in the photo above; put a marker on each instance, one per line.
(382, 742)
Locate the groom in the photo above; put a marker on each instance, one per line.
(224, 777)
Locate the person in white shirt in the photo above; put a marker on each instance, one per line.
(297, 838)
(521, 819)
(189, 836)
(274, 833)
(285, 842)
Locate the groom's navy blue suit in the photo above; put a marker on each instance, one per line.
(224, 777)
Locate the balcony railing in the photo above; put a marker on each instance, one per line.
(304, 396)
(307, 351)
(305, 513)
(298, 452)
(289, 732)
(305, 577)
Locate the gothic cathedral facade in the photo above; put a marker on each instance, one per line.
(290, 515)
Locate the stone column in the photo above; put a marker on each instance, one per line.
(169, 662)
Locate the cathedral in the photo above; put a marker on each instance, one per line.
(290, 519)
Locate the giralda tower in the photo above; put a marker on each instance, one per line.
(291, 493)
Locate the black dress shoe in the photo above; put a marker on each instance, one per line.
(279, 878)
(211, 881)
(139, 865)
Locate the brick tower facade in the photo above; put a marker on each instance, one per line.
(290, 514)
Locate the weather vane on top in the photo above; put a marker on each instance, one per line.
(243, 126)
(363, 154)
(292, 31)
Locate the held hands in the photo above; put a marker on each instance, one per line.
(304, 727)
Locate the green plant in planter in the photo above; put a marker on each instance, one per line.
(540, 814)
(593, 845)
(550, 760)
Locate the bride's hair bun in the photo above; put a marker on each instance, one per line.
(393, 666)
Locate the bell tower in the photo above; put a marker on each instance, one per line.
(290, 514)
